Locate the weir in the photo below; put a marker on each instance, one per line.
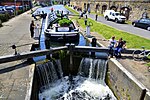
(88, 83)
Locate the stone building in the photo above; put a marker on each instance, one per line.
(132, 9)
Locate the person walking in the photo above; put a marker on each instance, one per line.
(32, 25)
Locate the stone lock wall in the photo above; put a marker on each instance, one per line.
(132, 9)
(124, 85)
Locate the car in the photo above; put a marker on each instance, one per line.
(142, 23)
(115, 16)
(2, 10)
(7, 9)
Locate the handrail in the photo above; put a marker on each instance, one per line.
(70, 48)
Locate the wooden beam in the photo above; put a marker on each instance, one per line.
(9, 58)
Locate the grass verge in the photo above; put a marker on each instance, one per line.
(70, 9)
(133, 41)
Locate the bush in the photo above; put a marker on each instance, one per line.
(19, 12)
(65, 22)
(4, 17)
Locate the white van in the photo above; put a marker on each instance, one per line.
(115, 16)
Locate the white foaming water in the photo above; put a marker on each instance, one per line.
(80, 88)
(89, 84)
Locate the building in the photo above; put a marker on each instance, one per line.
(132, 9)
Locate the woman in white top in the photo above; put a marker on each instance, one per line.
(112, 44)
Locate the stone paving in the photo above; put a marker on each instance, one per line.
(16, 76)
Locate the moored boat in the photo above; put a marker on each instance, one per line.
(61, 29)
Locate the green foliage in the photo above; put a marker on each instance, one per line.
(73, 11)
(4, 17)
(64, 22)
(133, 41)
(19, 12)
(148, 64)
(62, 54)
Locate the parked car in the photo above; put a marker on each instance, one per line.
(2, 10)
(115, 16)
(142, 23)
(6, 9)
(10, 8)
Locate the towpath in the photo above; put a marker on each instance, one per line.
(15, 77)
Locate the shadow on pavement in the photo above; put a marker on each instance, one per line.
(21, 65)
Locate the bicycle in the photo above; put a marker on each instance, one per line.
(140, 54)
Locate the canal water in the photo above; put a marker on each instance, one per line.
(88, 84)
(42, 42)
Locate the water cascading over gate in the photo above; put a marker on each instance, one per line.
(89, 84)
(93, 69)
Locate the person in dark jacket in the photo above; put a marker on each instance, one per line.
(32, 28)
(120, 45)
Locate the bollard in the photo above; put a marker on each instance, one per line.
(143, 94)
(93, 45)
(14, 47)
(86, 17)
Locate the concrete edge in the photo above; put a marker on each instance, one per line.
(30, 85)
(129, 75)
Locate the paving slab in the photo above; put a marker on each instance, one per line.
(16, 76)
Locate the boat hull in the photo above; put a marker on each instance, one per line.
(62, 37)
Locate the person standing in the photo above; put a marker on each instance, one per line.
(96, 16)
(32, 28)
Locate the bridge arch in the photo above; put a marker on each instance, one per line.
(125, 11)
(104, 7)
(113, 8)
